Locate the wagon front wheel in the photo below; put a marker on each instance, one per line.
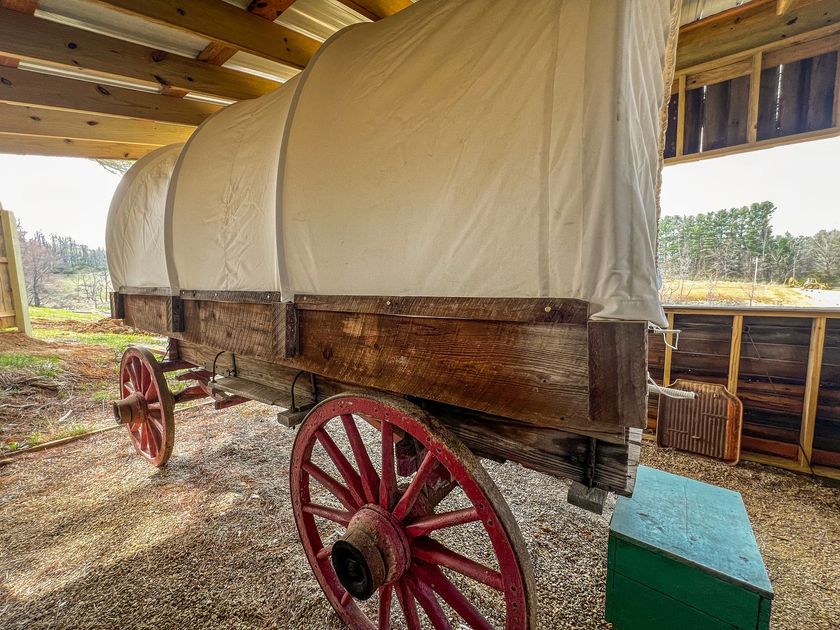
(146, 407)
(383, 548)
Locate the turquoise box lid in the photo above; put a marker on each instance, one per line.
(695, 523)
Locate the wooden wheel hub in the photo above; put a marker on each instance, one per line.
(132, 408)
(373, 552)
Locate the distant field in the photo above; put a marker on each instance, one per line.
(740, 293)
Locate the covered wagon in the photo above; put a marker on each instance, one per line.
(434, 245)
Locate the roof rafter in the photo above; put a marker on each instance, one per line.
(28, 37)
(33, 88)
(380, 8)
(216, 53)
(56, 123)
(68, 147)
(227, 24)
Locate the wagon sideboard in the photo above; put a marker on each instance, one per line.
(531, 380)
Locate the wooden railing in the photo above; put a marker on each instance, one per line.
(783, 363)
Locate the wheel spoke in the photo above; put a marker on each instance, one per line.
(388, 484)
(339, 491)
(331, 514)
(351, 477)
(156, 421)
(430, 604)
(385, 595)
(141, 375)
(427, 524)
(153, 406)
(129, 386)
(435, 578)
(132, 373)
(149, 394)
(432, 552)
(407, 500)
(370, 480)
(144, 437)
(325, 553)
(154, 440)
(346, 599)
(404, 595)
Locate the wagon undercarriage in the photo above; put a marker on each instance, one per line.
(397, 399)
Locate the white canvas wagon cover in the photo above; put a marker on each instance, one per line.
(449, 150)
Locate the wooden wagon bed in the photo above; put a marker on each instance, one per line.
(534, 381)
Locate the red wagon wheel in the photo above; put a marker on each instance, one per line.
(389, 543)
(147, 406)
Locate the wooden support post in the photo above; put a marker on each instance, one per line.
(174, 314)
(117, 305)
(735, 354)
(755, 89)
(681, 115)
(666, 364)
(14, 267)
(836, 118)
(812, 390)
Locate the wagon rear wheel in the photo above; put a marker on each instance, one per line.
(383, 550)
(147, 406)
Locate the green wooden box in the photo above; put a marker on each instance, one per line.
(682, 554)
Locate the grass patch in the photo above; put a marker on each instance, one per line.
(72, 430)
(37, 437)
(113, 341)
(43, 366)
(104, 395)
(61, 314)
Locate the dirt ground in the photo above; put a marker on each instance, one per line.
(92, 537)
(60, 384)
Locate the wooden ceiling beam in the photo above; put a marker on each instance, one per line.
(217, 54)
(227, 24)
(55, 123)
(380, 8)
(23, 6)
(42, 90)
(358, 8)
(28, 37)
(750, 26)
(68, 147)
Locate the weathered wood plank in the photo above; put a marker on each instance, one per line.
(533, 310)
(146, 312)
(534, 372)
(618, 373)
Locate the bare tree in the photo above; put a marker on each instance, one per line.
(93, 286)
(38, 265)
(825, 251)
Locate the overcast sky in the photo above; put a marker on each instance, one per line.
(70, 196)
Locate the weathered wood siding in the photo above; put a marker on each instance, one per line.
(776, 364)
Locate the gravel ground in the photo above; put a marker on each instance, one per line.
(92, 537)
